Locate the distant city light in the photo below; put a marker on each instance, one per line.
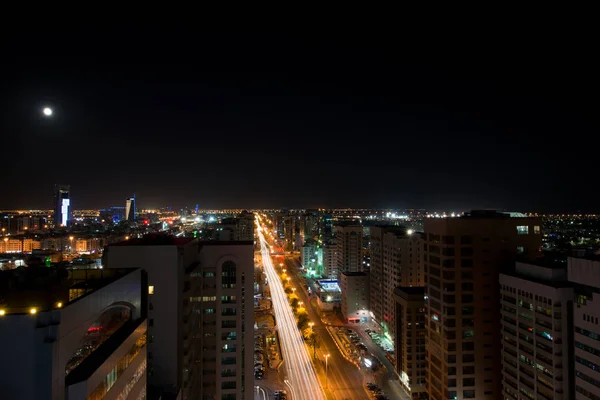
(47, 111)
(410, 231)
(33, 311)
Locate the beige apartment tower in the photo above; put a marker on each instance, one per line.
(463, 260)
(409, 342)
(396, 260)
(349, 248)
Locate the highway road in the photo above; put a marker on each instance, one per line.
(302, 378)
(345, 381)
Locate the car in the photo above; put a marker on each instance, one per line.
(280, 395)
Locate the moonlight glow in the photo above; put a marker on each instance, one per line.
(47, 111)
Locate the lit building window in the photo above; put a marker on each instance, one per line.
(522, 230)
(536, 229)
(150, 289)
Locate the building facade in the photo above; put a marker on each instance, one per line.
(463, 260)
(396, 260)
(584, 275)
(409, 341)
(79, 336)
(348, 239)
(355, 297)
(200, 313)
(330, 260)
(536, 303)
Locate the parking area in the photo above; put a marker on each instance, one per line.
(383, 342)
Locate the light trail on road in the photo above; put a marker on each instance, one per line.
(301, 373)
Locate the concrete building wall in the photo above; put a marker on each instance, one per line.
(349, 248)
(535, 334)
(409, 341)
(42, 344)
(586, 327)
(464, 257)
(165, 269)
(215, 335)
(355, 296)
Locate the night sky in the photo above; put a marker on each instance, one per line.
(241, 119)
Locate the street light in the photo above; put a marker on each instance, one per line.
(311, 324)
(288, 280)
(326, 358)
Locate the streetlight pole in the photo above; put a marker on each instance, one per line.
(326, 358)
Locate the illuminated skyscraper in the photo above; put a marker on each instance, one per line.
(62, 205)
(130, 209)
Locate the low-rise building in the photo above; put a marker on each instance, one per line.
(355, 297)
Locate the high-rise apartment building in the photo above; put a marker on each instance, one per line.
(355, 296)
(62, 205)
(224, 305)
(584, 275)
(200, 313)
(348, 239)
(396, 260)
(330, 260)
(290, 230)
(240, 228)
(463, 260)
(409, 340)
(536, 302)
(75, 334)
(130, 208)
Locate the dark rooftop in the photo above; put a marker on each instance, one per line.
(225, 242)
(348, 273)
(409, 291)
(548, 260)
(155, 240)
(43, 287)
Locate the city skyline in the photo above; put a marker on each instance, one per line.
(264, 120)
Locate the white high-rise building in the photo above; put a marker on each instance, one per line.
(584, 274)
(200, 313)
(535, 306)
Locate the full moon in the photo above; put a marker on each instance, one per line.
(47, 111)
